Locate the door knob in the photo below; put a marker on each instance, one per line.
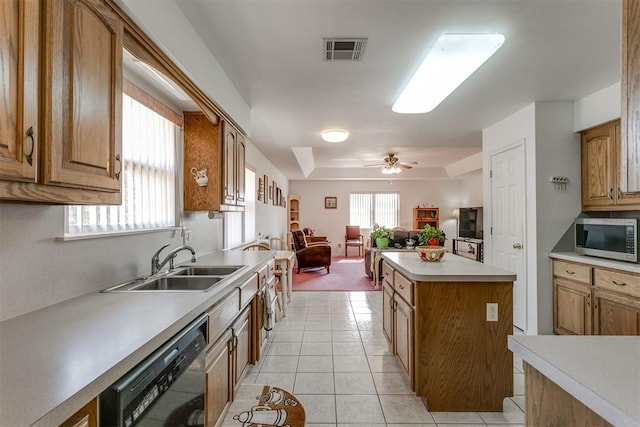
(517, 246)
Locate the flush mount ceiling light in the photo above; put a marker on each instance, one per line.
(335, 135)
(452, 59)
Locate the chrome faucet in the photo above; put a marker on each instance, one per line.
(156, 265)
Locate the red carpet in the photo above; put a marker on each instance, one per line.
(347, 274)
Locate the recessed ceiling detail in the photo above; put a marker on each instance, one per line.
(350, 49)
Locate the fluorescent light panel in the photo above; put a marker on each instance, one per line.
(452, 59)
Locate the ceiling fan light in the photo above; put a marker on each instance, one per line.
(451, 60)
(335, 135)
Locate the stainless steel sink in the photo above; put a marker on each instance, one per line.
(221, 270)
(169, 284)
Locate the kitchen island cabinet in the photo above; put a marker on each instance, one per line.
(580, 380)
(455, 357)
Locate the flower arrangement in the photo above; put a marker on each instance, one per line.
(431, 236)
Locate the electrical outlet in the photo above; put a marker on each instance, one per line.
(492, 312)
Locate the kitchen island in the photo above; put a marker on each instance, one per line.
(580, 380)
(448, 322)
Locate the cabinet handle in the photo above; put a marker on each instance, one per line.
(588, 298)
(619, 194)
(619, 283)
(595, 303)
(570, 272)
(120, 170)
(401, 287)
(611, 193)
(33, 145)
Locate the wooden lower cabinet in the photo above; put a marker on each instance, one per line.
(219, 391)
(594, 300)
(572, 308)
(87, 416)
(259, 333)
(241, 356)
(403, 336)
(387, 311)
(616, 314)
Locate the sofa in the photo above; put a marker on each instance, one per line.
(400, 236)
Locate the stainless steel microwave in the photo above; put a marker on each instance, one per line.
(611, 238)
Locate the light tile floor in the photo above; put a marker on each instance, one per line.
(330, 352)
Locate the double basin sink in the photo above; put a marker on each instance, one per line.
(182, 279)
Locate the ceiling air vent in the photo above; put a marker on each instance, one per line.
(350, 49)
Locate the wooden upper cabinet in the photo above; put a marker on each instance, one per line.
(19, 50)
(597, 152)
(229, 164)
(82, 95)
(630, 141)
(601, 171)
(241, 149)
(234, 148)
(202, 147)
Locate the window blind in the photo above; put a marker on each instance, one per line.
(367, 209)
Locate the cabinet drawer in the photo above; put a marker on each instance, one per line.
(387, 273)
(263, 276)
(271, 268)
(576, 272)
(221, 315)
(626, 283)
(248, 289)
(404, 287)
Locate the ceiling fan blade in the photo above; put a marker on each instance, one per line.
(404, 166)
(377, 165)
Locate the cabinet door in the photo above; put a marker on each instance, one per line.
(387, 311)
(258, 332)
(19, 50)
(630, 111)
(571, 308)
(624, 198)
(403, 335)
(616, 314)
(240, 165)
(597, 151)
(218, 392)
(242, 346)
(82, 95)
(228, 165)
(202, 148)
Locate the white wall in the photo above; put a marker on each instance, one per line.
(446, 194)
(551, 148)
(599, 107)
(270, 219)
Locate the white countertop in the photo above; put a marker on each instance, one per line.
(602, 372)
(54, 360)
(451, 268)
(600, 262)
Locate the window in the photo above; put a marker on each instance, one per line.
(148, 177)
(240, 227)
(367, 209)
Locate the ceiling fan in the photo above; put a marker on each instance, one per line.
(392, 165)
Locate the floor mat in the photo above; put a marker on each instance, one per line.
(264, 405)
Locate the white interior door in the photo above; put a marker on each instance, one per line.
(507, 221)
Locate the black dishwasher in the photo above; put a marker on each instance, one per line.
(165, 389)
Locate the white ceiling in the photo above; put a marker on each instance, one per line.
(272, 50)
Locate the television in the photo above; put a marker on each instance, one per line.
(470, 223)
